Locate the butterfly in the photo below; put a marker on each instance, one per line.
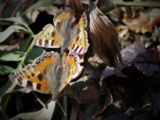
(49, 73)
(65, 33)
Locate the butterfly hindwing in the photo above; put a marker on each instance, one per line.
(71, 61)
(45, 59)
(47, 38)
(79, 44)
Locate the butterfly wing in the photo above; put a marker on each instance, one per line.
(33, 76)
(62, 15)
(47, 38)
(50, 37)
(72, 69)
(79, 44)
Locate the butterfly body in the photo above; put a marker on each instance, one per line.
(65, 34)
(49, 74)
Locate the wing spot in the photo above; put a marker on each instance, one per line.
(20, 73)
(52, 42)
(41, 59)
(20, 80)
(28, 67)
(39, 76)
(23, 71)
(83, 15)
(32, 74)
(45, 55)
(37, 61)
(29, 83)
(77, 38)
(39, 86)
(76, 48)
(73, 46)
(40, 41)
(53, 33)
(46, 42)
(80, 50)
(50, 55)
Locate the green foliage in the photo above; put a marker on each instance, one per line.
(5, 70)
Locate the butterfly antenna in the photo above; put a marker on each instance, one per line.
(61, 107)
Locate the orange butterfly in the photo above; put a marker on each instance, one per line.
(49, 74)
(65, 33)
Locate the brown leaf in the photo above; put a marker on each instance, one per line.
(144, 22)
(104, 38)
(75, 5)
(147, 61)
(87, 90)
(93, 100)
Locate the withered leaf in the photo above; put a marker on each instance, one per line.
(144, 22)
(93, 100)
(128, 54)
(147, 61)
(104, 38)
(75, 5)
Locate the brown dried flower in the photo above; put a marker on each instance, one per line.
(104, 39)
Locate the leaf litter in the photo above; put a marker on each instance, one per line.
(134, 97)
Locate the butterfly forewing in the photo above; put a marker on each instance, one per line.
(31, 77)
(79, 44)
(47, 38)
(63, 14)
(83, 22)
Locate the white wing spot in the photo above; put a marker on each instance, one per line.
(24, 82)
(34, 86)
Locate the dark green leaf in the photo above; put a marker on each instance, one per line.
(116, 4)
(7, 87)
(4, 70)
(36, 52)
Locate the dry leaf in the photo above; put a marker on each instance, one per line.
(104, 38)
(144, 22)
(75, 5)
